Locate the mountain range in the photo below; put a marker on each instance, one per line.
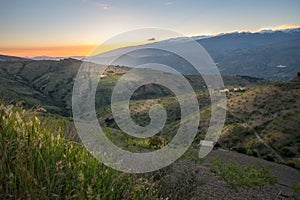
(273, 55)
(270, 54)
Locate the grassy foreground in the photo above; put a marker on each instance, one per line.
(38, 162)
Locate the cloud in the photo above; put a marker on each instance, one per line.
(103, 6)
(170, 3)
(151, 39)
(286, 26)
(282, 27)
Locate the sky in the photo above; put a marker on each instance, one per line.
(75, 27)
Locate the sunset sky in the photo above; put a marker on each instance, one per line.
(75, 27)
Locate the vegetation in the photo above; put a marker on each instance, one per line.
(296, 187)
(50, 84)
(246, 177)
(265, 124)
(37, 162)
(42, 157)
(180, 181)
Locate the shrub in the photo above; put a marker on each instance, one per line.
(240, 149)
(287, 152)
(157, 141)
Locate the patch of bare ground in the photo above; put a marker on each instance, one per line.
(210, 187)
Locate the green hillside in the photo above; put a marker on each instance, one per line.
(42, 156)
(50, 84)
(264, 122)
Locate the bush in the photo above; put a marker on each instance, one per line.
(157, 142)
(240, 149)
(287, 152)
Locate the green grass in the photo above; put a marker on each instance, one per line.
(37, 162)
(242, 177)
(296, 187)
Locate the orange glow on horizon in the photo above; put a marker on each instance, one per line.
(53, 51)
(63, 51)
(109, 47)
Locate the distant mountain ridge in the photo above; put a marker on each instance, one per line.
(239, 53)
(56, 58)
(12, 58)
(242, 40)
(268, 54)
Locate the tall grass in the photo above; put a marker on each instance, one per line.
(38, 162)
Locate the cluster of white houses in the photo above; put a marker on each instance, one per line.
(234, 89)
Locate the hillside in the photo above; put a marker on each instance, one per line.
(261, 122)
(272, 55)
(46, 83)
(12, 58)
(264, 122)
(50, 83)
(279, 61)
(255, 117)
(39, 160)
